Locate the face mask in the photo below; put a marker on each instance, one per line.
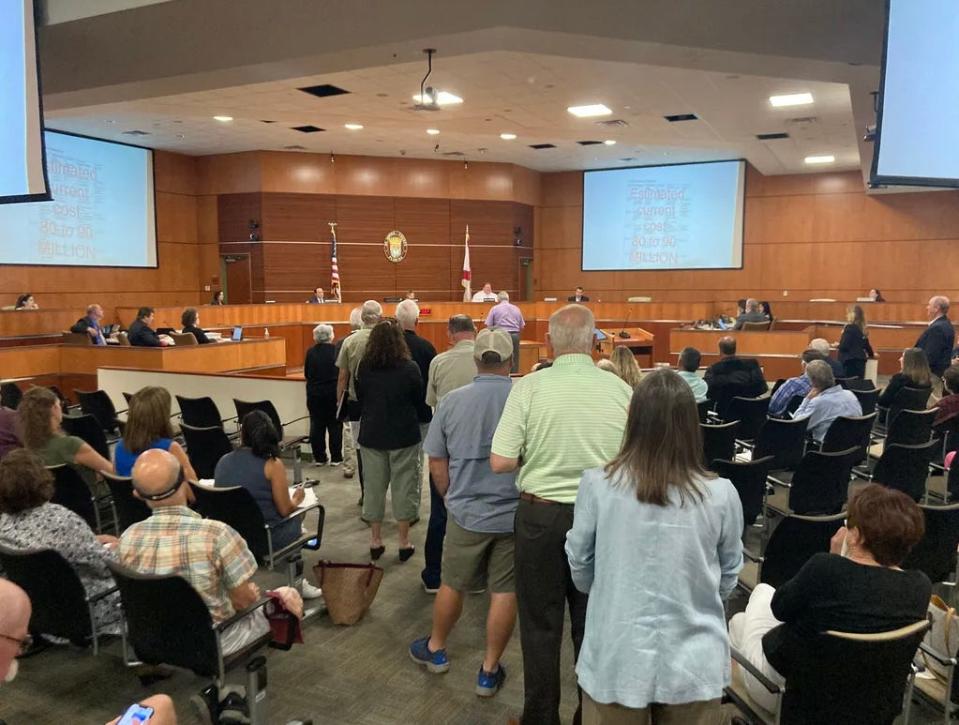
(12, 672)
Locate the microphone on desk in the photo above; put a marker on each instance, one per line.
(622, 333)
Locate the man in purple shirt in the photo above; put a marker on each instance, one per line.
(506, 316)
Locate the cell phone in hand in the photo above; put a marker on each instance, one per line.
(136, 714)
(313, 544)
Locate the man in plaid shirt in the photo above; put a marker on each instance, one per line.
(794, 386)
(210, 555)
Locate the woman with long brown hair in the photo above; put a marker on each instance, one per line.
(626, 366)
(656, 544)
(854, 347)
(388, 387)
(915, 374)
(148, 426)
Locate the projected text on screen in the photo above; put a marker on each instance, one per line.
(684, 216)
(102, 212)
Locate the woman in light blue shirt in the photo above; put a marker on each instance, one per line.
(656, 544)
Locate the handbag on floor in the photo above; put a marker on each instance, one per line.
(348, 589)
(943, 635)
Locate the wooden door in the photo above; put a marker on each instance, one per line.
(237, 279)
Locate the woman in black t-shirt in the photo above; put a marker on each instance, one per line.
(858, 587)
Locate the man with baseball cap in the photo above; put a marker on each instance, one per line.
(481, 506)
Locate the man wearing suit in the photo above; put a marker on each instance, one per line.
(732, 376)
(578, 297)
(938, 339)
(317, 298)
(141, 333)
(752, 314)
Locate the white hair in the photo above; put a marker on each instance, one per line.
(407, 312)
(941, 303)
(571, 329)
(371, 312)
(323, 333)
(502, 296)
(356, 320)
(820, 374)
(820, 345)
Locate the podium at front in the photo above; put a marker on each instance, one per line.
(639, 342)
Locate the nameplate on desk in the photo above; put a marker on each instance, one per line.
(426, 311)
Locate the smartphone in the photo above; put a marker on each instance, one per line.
(313, 544)
(136, 714)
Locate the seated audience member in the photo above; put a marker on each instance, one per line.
(914, 373)
(217, 298)
(9, 431)
(740, 307)
(28, 521)
(607, 365)
(823, 347)
(141, 333)
(653, 637)
(798, 385)
(148, 426)
(91, 325)
(321, 374)
(753, 313)
(15, 637)
(26, 302)
(858, 587)
(389, 388)
(875, 295)
(317, 297)
(689, 360)
(766, 310)
(410, 295)
(481, 506)
(486, 294)
(825, 401)
(626, 366)
(732, 376)
(210, 555)
(578, 296)
(947, 407)
(40, 416)
(190, 319)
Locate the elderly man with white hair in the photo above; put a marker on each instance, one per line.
(507, 316)
(825, 400)
(422, 352)
(559, 422)
(938, 339)
(348, 360)
(321, 376)
(822, 346)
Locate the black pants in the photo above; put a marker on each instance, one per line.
(435, 535)
(543, 589)
(322, 422)
(854, 368)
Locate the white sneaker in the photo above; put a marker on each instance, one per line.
(308, 591)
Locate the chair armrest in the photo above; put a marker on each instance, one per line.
(237, 616)
(285, 423)
(941, 659)
(296, 514)
(101, 595)
(770, 686)
(299, 543)
(747, 554)
(122, 411)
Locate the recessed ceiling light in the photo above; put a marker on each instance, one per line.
(593, 109)
(823, 159)
(791, 99)
(610, 142)
(353, 126)
(223, 119)
(433, 131)
(507, 136)
(443, 98)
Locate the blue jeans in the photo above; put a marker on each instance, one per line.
(435, 533)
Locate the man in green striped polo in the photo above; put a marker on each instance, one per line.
(557, 423)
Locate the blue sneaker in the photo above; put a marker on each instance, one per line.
(489, 683)
(436, 662)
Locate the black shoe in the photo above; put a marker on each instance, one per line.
(405, 554)
(376, 552)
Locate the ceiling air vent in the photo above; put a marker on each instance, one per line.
(772, 136)
(323, 91)
(614, 123)
(541, 146)
(453, 153)
(682, 117)
(136, 132)
(295, 147)
(307, 129)
(588, 143)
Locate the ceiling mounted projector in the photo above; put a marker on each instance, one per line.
(428, 98)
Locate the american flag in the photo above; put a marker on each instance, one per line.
(334, 269)
(467, 272)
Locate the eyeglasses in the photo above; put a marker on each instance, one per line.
(23, 645)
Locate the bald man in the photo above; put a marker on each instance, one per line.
(14, 620)
(938, 338)
(207, 553)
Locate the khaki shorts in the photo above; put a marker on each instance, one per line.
(469, 556)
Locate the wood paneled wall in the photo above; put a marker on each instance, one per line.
(292, 196)
(187, 259)
(806, 236)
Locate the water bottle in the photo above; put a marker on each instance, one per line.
(266, 332)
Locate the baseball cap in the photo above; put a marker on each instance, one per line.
(497, 341)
